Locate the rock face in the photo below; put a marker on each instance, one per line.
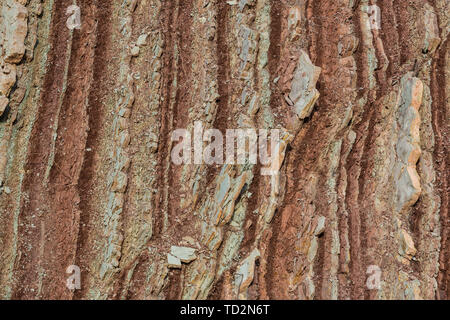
(303, 87)
(408, 144)
(15, 16)
(12, 42)
(359, 96)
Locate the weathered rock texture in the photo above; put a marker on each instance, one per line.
(86, 176)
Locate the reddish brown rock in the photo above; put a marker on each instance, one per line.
(360, 185)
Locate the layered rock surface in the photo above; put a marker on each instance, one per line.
(86, 176)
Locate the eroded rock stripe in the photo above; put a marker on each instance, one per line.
(86, 176)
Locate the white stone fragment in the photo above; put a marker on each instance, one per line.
(407, 180)
(303, 89)
(173, 262)
(135, 51)
(320, 227)
(142, 40)
(185, 254)
(15, 17)
(431, 40)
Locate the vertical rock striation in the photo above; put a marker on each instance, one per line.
(86, 173)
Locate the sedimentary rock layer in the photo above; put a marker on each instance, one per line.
(358, 90)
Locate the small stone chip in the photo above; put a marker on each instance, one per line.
(407, 248)
(135, 51)
(173, 262)
(185, 254)
(142, 40)
(320, 227)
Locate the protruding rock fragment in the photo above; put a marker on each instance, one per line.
(303, 89)
(142, 40)
(245, 273)
(173, 262)
(408, 149)
(7, 79)
(408, 188)
(320, 227)
(253, 106)
(224, 184)
(431, 40)
(248, 50)
(15, 16)
(135, 51)
(312, 250)
(407, 248)
(185, 254)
